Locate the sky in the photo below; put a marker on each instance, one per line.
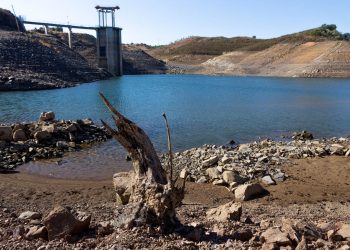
(157, 22)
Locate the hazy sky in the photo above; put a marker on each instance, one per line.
(164, 21)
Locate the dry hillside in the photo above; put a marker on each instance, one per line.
(320, 52)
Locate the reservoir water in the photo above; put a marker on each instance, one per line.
(200, 109)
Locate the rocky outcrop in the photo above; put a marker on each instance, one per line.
(45, 139)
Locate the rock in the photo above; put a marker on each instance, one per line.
(2, 144)
(231, 176)
(302, 245)
(248, 191)
(213, 173)
(336, 149)
(202, 179)
(36, 232)
(226, 212)
(29, 215)
(121, 183)
(19, 231)
(267, 180)
(269, 246)
(210, 162)
(279, 177)
(60, 222)
(47, 116)
(105, 228)
(245, 149)
(226, 159)
(42, 136)
(343, 233)
(275, 235)
(72, 128)
(243, 234)
(62, 144)
(19, 135)
(52, 128)
(219, 182)
(5, 133)
(183, 173)
(304, 135)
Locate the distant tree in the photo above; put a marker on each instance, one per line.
(346, 36)
(254, 37)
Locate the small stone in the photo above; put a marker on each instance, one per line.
(183, 173)
(105, 228)
(279, 177)
(211, 161)
(267, 180)
(36, 232)
(275, 235)
(227, 212)
(29, 215)
(62, 144)
(248, 191)
(231, 176)
(213, 173)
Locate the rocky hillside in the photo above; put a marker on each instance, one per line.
(35, 61)
(320, 52)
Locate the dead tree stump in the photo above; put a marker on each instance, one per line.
(150, 195)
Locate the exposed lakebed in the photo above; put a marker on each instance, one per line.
(201, 110)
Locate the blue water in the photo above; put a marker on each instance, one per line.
(200, 109)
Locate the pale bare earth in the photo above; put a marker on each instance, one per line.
(310, 59)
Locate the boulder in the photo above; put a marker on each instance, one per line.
(19, 135)
(274, 235)
(42, 135)
(227, 212)
(231, 176)
(226, 159)
(61, 222)
(47, 116)
(121, 183)
(248, 191)
(36, 232)
(5, 133)
(210, 162)
(29, 215)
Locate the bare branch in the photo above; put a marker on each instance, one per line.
(170, 170)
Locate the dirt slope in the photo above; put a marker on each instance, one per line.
(310, 59)
(320, 52)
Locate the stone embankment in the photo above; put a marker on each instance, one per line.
(45, 139)
(259, 161)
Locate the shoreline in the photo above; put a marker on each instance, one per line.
(51, 86)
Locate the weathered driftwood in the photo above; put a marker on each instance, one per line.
(152, 193)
